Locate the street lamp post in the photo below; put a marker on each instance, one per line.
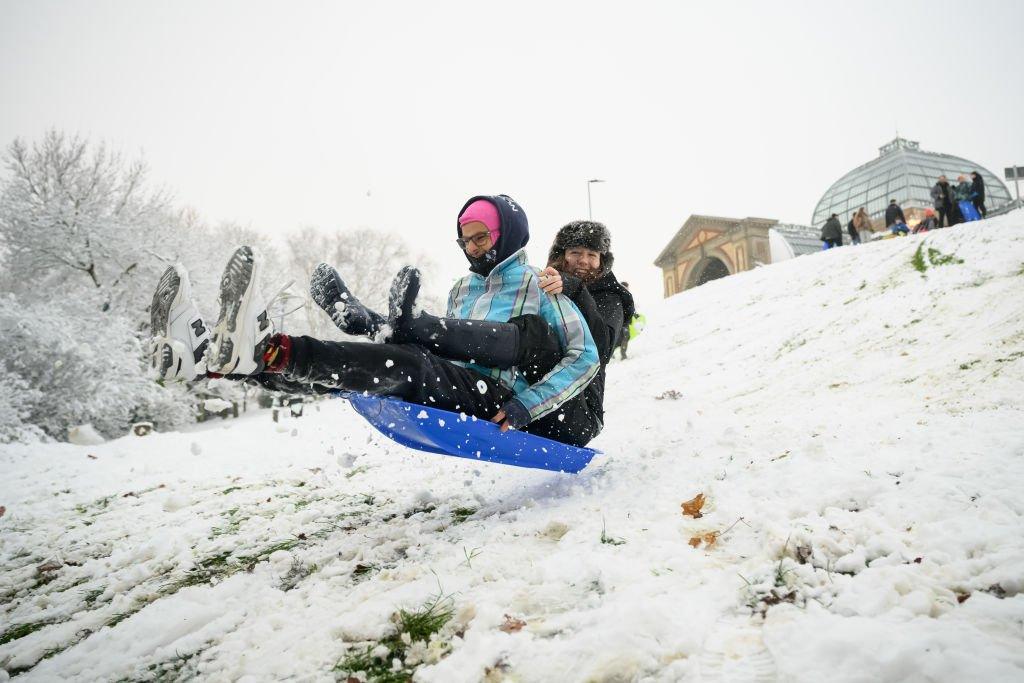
(590, 212)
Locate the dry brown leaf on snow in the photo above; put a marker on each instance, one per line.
(691, 508)
(709, 539)
(512, 625)
(2, 510)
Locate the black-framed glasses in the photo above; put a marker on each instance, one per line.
(481, 239)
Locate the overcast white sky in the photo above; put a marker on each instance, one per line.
(390, 114)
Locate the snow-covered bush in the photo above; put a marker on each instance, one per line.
(16, 399)
(81, 368)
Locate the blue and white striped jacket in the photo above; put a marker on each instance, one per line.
(513, 289)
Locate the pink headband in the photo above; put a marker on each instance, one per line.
(484, 212)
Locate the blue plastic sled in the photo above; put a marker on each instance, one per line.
(439, 431)
(968, 210)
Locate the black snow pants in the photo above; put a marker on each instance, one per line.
(411, 373)
(405, 371)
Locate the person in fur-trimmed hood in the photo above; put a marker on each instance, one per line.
(582, 250)
(581, 253)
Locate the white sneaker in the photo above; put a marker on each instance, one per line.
(180, 335)
(243, 328)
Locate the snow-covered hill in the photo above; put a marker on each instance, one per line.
(853, 419)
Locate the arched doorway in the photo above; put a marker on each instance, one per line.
(707, 270)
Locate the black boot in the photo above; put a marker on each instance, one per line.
(526, 342)
(493, 345)
(345, 310)
(401, 300)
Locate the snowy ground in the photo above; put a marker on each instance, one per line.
(855, 425)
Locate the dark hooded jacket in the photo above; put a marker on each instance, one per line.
(606, 305)
(514, 233)
(892, 212)
(978, 188)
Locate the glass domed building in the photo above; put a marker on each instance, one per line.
(905, 173)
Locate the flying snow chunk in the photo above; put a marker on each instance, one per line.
(440, 423)
(175, 501)
(481, 386)
(389, 363)
(195, 448)
(84, 435)
(422, 415)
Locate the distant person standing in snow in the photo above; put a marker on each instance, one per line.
(942, 200)
(624, 344)
(851, 228)
(961, 193)
(978, 193)
(893, 214)
(832, 232)
(862, 223)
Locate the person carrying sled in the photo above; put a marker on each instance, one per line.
(977, 195)
(500, 288)
(832, 233)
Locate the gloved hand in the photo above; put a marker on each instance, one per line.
(513, 415)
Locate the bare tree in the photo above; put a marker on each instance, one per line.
(78, 220)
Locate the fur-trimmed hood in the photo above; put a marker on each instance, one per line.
(587, 234)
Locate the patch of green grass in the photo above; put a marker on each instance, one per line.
(232, 524)
(968, 366)
(610, 540)
(362, 570)
(21, 630)
(918, 259)
(921, 259)
(220, 567)
(355, 471)
(94, 507)
(410, 627)
(296, 574)
(426, 509)
(461, 514)
(937, 258)
(121, 616)
(93, 595)
(230, 489)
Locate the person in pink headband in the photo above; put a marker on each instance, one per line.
(483, 211)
